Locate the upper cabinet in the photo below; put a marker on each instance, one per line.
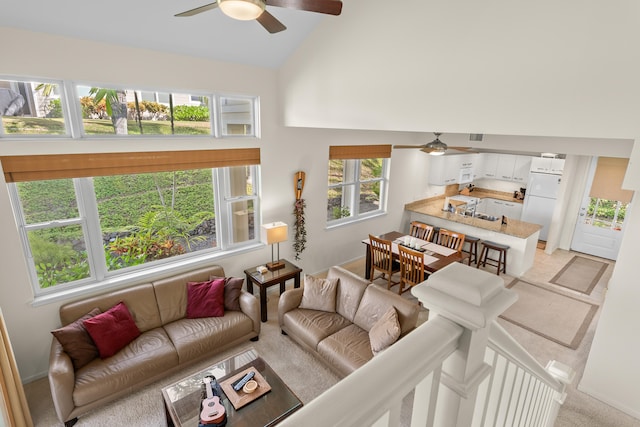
(489, 165)
(521, 168)
(451, 169)
(547, 165)
(506, 163)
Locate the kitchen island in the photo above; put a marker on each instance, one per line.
(520, 236)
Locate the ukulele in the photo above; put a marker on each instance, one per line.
(212, 410)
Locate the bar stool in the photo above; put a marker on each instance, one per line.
(473, 248)
(500, 262)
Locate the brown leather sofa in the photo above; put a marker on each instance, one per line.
(341, 339)
(169, 342)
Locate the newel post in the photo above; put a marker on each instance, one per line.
(473, 299)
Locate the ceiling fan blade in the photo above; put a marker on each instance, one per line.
(408, 146)
(198, 10)
(330, 7)
(473, 150)
(270, 23)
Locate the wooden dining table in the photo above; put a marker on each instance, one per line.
(436, 256)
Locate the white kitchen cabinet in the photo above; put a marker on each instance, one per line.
(521, 169)
(547, 165)
(489, 165)
(506, 164)
(512, 210)
(444, 170)
(496, 207)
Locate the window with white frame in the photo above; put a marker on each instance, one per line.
(39, 108)
(81, 230)
(358, 182)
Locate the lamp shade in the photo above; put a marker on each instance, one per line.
(274, 232)
(243, 10)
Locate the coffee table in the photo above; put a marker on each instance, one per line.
(182, 399)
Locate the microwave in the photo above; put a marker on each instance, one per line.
(466, 176)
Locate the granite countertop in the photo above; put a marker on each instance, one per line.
(514, 227)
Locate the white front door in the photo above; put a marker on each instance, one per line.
(600, 223)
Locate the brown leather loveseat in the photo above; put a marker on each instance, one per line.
(343, 338)
(168, 342)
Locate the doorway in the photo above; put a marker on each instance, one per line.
(605, 204)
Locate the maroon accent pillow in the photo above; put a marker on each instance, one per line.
(205, 299)
(76, 342)
(112, 330)
(232, 291)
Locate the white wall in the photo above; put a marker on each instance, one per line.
(496, 67)
(283, 152)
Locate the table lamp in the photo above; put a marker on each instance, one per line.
(273, 233)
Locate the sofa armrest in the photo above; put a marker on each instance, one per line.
(289, 300)
(62, 378)
(251, 307)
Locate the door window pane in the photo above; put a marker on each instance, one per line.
(31, 108)
(604, 213)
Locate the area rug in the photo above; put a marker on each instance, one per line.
(552, 315)
(580, 274)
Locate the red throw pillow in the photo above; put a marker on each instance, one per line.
(112, 330)
(205, 299)
(76, 342)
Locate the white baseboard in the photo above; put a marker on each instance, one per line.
(633, 412)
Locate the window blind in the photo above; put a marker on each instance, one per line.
(337, 152)
(607, 181)
(58, 166)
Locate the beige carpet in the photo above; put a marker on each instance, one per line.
(580, 274)
(550, 314)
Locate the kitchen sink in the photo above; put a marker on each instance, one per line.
(486, 217)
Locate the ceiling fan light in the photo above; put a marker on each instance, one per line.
(243, 10)
(435, 148)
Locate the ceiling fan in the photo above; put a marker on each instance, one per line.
(246, 10)
(435, 147)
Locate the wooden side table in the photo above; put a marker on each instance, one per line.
(270, 278)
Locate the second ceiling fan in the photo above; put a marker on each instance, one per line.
(435, 147)
(246, 10)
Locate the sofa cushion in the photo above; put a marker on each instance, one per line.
(140, 301)
(376, 301)
(77, 342)
(112, 330)
(232, 290)
(171, 292)
(205, 299)
(312, 326)
(143, 358)
(347, 349)
(319, 294)
(385, 331)
(350, 290)
(194, 337)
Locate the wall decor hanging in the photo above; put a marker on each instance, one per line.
(300, 239)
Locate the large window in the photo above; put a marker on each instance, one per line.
(80, 230)
(33, 108)
(357, 182)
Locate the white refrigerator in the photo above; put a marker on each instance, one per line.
(540, 200)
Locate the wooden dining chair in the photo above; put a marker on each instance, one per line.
(421, 230)
(411, 268)
(382, 260)
(451, 239)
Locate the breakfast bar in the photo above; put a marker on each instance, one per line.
(520, 236)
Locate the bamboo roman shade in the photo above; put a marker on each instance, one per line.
(338, 152)
(607, 181)
(58, 166)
